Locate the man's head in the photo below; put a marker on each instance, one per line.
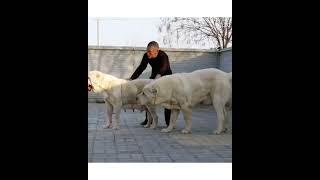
(152, 49)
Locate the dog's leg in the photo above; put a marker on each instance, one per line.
(220, 97)
(149, 119)
(154, 117)
(226, 120)
(219, 107)
(187, 114)
(117, 110)
(109, 115)
(228, 109)
(173, 119)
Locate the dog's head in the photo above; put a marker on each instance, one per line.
(90, 86)
(148, 94)
(94, 77)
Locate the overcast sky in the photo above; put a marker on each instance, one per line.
(134, 23)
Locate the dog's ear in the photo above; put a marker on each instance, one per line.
(153, 91)
(97, 75)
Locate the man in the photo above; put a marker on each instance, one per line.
(159, 62)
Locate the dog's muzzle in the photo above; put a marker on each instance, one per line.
(90, 86)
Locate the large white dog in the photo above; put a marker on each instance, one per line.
(120, 94)
(182, 91)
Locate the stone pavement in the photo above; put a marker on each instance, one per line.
(134, 143)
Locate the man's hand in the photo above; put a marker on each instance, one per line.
(128, 79)
(157, 76)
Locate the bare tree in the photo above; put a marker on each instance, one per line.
(217, 30)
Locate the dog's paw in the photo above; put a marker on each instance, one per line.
(220, 131)
(185, 131)
(146, 126)
(225, 130)
(107, 126)
(166, 130)
(217, 132)
(153, 126)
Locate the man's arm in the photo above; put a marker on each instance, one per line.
(143, 65)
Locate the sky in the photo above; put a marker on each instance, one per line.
(123, 31)
(134, 23)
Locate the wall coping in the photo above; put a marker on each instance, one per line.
(226, 49)
(143, 49)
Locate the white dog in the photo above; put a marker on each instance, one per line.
(118, 94)
(182, 91)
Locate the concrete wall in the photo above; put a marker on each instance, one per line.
(122, 61)
(225, 60)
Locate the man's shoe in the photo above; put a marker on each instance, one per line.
(144, 122)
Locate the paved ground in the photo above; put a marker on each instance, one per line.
(133, 143)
